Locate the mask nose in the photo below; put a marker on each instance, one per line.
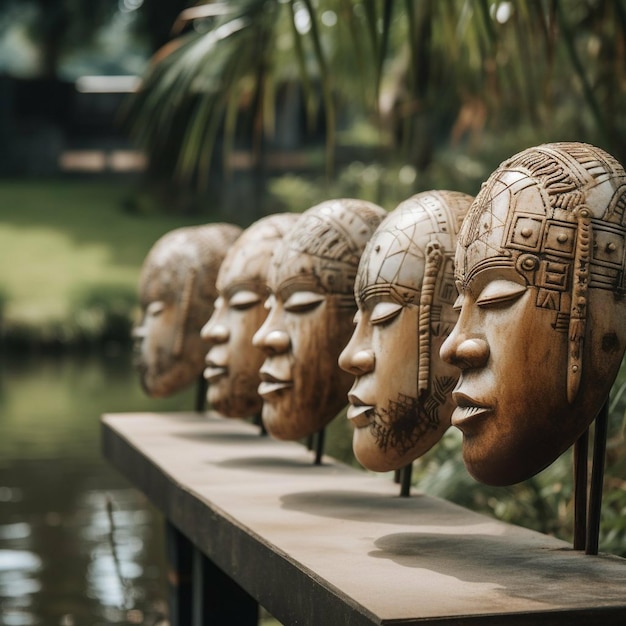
(272, 342)
(138, 332)
(215, 332)
(357, 360)
(272, 338)
(464, 352)
(362, 362)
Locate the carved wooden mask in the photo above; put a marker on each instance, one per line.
(233, 363)
(400, 403)
(176, 293)
(310, 316)
(542, 326)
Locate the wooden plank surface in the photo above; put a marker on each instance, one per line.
(334, 545)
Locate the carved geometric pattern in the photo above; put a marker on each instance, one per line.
(564, 178)
(560, 239)
(526, 233)
(553, 275)
(406, 261)
(484, 229)
(325, 247)
(547, 299)
(430, 216)
(402, 424)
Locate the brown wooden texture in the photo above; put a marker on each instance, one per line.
(329, 544)
(540, 267)
(176, 293)
(233, 363)
(311, 279)
(401, 402)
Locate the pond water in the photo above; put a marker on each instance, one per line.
(78, 545)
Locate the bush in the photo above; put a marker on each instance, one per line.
(103, 314)
(101, 319)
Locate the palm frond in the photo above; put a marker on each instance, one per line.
(426, 57)
(326, 80)
(579, 68)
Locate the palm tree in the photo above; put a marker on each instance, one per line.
(419, 70)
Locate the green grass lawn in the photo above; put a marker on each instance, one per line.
(62, 239)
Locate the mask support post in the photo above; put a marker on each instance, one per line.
(597, 480)
(405, 480)
(581, 451)
(258, 421)
(319, 446)
(201, 390)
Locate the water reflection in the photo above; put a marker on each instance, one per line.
(78, 545)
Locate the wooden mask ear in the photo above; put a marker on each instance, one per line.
(432, 269)
(183, 316)
(578, 308)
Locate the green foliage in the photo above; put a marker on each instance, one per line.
(386, 185)
(100, 317)
(613, 526)
(422, 73)
(57, 27)
(104, 313)
(199, 85)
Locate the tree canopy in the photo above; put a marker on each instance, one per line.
(418, 71)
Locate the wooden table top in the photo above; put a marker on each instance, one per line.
(333, 545)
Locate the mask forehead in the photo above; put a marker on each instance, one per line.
(401, 251)
(529, 214)
(291, 270)
(322, 251)
(247, 262)
(198, 249)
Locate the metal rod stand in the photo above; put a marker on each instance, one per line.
(405, 480)
(597, 480)
(319, 446)
(201, 389)
(581, 451)
(258, 421)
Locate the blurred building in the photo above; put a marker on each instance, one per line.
(49, 126)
